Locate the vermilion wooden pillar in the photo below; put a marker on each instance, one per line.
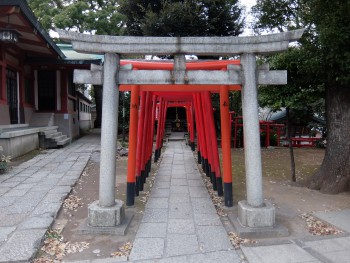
(217, 181)
(144, 137)
(139, 182)
(226, 145)
(131, 178)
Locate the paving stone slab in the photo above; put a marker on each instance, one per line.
(25, 186)
(37, 222)
(152, 230)
(5, 177)
(158, 184)
(160, 192)
(54, 198)
(4, 190)
(334, 249)
(163, 178)
(213, 238)
(207, 220)
(178, 245)
(5, 232)
(157, 202)
(22, 245)
(47, 208)
(197, 182)
(180, 211)
(178, 182)
(203, 206)
(16, 179)
(11, 219)
(155, 215)
(178, 259)
(178, 174)
(284, 253)
(339, 219)
(10, 184)
(147, 248)
(179, 189)
(179, 198)
(60, 189)
(181, 226)
(6, 201)
(198, 191)
(217, 257)
(16, 192)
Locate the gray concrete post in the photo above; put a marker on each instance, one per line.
(254, 212)
(109, 130)
(251, 132)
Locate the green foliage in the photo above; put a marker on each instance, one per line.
(182, 17)
(332, 23)
(4, 160)
(304, 92)
(99, 16)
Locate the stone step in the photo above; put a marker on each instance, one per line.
(59, 138)
(48, 130)
(64, 141)
(53, 135)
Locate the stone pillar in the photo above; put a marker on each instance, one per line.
(253, 212)
(108, 212)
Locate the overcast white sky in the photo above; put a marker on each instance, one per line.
(248, 4)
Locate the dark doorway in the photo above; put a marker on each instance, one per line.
(46, 90)
(12, 95)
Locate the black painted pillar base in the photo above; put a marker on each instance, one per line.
(148, 169)
(130, 194)
(143, 176)
(199, 157)
(141, 181)
(228, 194)
(219, 186)
(213, 181)
(156, 155)
(193, 146)
(210, 173)
(207, 167)
(137, 186)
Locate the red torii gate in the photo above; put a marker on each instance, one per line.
(149, 101)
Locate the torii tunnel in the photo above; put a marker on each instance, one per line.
(149, 104)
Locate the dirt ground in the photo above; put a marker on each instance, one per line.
(290, 200)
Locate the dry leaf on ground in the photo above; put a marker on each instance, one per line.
(236, 240)
(123, 250)
(319, 228)
(72, 203)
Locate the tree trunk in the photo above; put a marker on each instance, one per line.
(334, 174)
(290, 146)
(98, 101)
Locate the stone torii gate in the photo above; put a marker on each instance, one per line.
(253, 212)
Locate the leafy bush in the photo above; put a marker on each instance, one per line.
(4, 160)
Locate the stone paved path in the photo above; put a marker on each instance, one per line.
(180, 223)
(31, 194)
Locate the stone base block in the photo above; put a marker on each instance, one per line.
(99, 216)
(120, 230)
(256, 216)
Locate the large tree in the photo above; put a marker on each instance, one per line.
(325, 61)
(332, 22)
(182, 17)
